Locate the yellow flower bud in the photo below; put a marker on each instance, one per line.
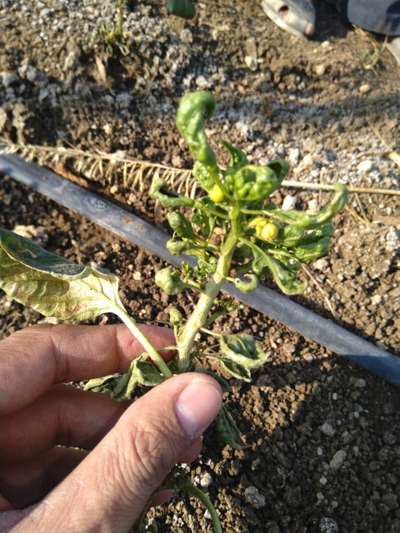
(216, 194)
(268, 232)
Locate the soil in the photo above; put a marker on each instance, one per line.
(321, 436)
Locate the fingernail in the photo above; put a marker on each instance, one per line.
(197, 406)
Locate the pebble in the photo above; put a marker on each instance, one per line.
(328, 525)
(206, 480)
(289, 202)
(365, 166)
(337, 460)
(253, 497)
(320, 70)
(8, 78)
(312, 206)
(376, 299)
(365, 88)
(308, 161)
(294, 156)
(207, 515)
(327, 429)
(251, 63)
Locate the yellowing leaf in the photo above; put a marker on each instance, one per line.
(52, 285)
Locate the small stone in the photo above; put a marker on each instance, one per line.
(313, 207)
(328, 525)
(321, 264)
(289, 202)
(8, 78)
(365, 88)
(251, 63)
(327, 429)
(308, 161)
(361, 383)
(376, 299)
(124, 100)
(338, 460)
(390, 500)
(365, 166)
(202, 82)
(320, 70)
(206, 480)
(323, 480)
(294, 156)
(253, 497)
(207, 515)
(137, 276)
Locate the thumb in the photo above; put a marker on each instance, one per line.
(110, 488)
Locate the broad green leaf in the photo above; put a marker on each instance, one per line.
(293, 236)
(243, 350)
(235, 370)
(285, 276)
(52, 285)
(105, 384)
(227, 429)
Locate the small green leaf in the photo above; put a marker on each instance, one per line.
(180, 225)
(52, 285)
(104, 384)
(285, 275)
(227, 429)
(251, 183)
(238, 157)
(243, 350)
(247, 284)
(167, 199)
(235, 370)
(169, 281)
(280, 167)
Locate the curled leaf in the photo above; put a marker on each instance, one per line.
(52, 285)
(167, 199)
(227, 429)
(252, 183)
(285, 275)
(243, 350)
(247, 284)
(238, 158)
(180, 225)
(235, 370)
(169, 281)
(280, 167)
(306, 221)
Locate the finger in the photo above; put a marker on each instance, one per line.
(118, 478)
(191, 454)
(27, 482)
(35, 358)
(65, 415)
(5, 505)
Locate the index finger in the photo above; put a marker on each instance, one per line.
(35, 358)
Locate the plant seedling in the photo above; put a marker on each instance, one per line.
(234, 232)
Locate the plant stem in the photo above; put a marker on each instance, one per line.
(144, 341)
(189, 488)
(198, 318)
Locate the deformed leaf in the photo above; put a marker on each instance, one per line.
(167, 199)
(52, 285)
(238, 157)
(227, 429)
(243, 350)
(180, 225)
(235, 370)
(225, 386)
(247, 284)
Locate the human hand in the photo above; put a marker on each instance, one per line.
(72, 460)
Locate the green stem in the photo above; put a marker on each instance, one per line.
(198, 318)
(144, 341)
(189, 488)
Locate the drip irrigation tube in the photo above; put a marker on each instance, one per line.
(143, 234)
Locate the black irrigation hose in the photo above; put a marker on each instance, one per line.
(139, 232)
